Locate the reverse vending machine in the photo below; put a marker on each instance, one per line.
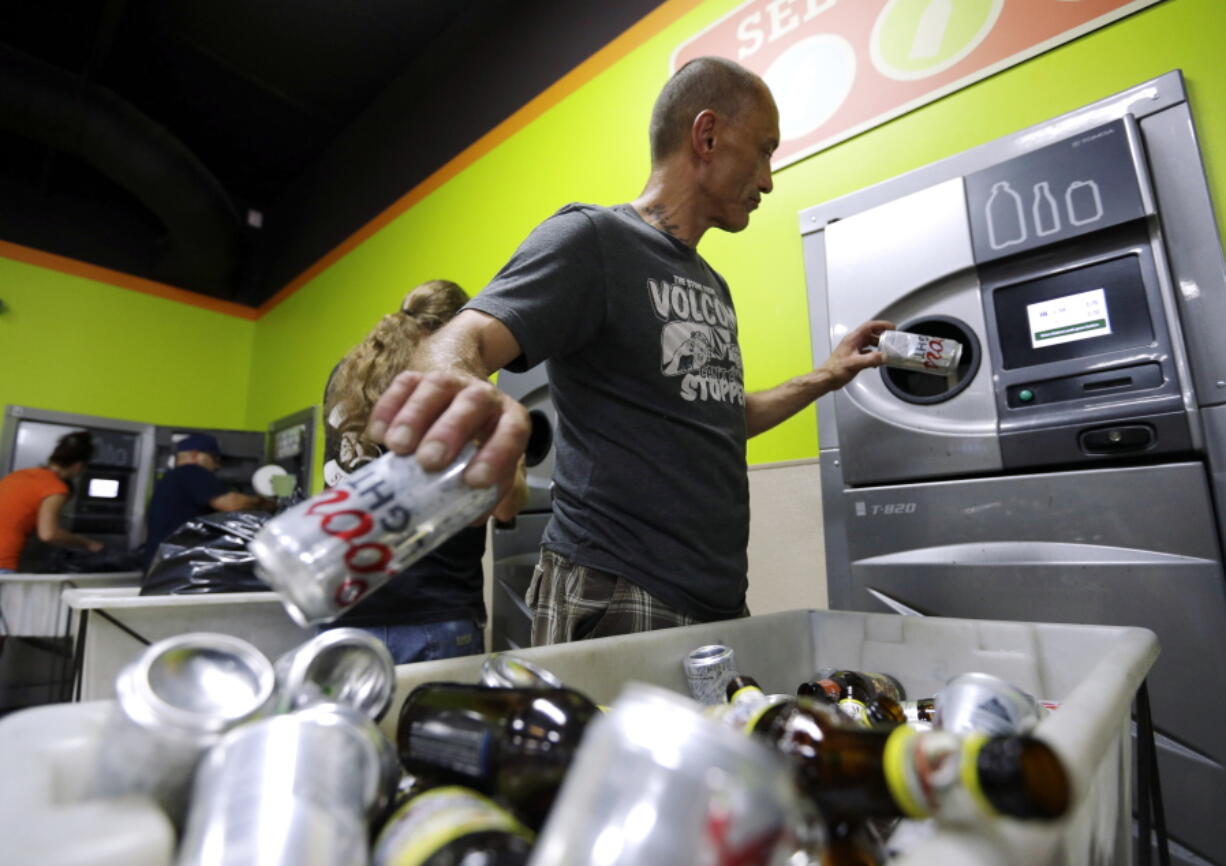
(1074, 467)
(516, 545)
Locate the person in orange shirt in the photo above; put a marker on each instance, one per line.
(31, 500)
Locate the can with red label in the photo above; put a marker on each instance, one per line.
(326, 554)
(919, 352)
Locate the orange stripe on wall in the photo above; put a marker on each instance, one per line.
(651, 24)
(100, 274)
(641, 31)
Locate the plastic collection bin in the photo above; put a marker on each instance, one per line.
(1093, 671)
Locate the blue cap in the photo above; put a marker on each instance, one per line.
(198, 442)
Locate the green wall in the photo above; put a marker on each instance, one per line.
(76, 345)
(592, 147)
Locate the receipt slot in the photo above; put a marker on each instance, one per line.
(1072, 470)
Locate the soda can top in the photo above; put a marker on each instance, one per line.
(512, 672)
(704, 656)
(198, 683)
(341, 665)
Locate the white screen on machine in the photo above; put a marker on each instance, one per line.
(103, 488)
(1069, 318)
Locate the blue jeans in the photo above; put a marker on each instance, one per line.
(430, 642)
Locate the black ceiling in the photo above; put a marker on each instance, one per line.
(147, 136)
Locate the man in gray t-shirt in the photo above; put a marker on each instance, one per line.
(639, 333)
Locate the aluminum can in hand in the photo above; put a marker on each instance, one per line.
(923, 354)
(328, 553)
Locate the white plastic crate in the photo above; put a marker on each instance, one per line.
(1093, 671)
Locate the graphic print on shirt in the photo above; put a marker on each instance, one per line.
(698, 340)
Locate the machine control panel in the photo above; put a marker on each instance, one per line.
(1121, 380)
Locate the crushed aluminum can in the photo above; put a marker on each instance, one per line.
(174, 702)
(341, 665)
(707, 670)
(326, 554)
(986, 704)
(919, 352)
(504, 671)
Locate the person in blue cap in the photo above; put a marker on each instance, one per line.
(190, 490)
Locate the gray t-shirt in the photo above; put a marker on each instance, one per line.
(640, 339)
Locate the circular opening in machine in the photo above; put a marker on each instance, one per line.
(922, 388)
(540, 440)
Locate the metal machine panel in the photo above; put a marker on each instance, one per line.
(1194, 252)
(516, 545)
(1084, 547)
(532, 390)
(291, 445)
(1123, 412)
(927, 274)
(121, 469)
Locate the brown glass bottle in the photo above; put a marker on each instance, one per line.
(512, 744)
(884, 710)
(845, 846)
(852, 772)
(451, 826)
(857, 685)
(923, 710)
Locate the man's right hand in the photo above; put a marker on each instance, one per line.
(434, 414)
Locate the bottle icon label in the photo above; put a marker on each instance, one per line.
(1046, 214)
(1005, 217)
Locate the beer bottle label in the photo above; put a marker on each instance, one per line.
(935, 773)
(429, 822)
(856, 711)
(452, 742)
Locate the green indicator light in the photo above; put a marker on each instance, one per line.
(1025, 395)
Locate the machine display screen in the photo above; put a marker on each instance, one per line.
(1073, 317)
(1103, 307)
(103, 488)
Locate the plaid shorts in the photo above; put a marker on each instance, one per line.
(572, 602)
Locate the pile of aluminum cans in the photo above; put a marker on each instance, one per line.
(279, 763)
(256, 762)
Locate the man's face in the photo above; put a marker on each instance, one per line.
(741, 170)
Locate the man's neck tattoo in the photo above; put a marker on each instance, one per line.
(657, 216)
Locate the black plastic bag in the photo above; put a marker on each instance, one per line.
(207, 554)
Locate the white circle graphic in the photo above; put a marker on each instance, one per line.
(889, 70)
(810, 82)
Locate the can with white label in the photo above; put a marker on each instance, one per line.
(328, 553)
(919, 352)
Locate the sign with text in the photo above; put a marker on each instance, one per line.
(839, 67)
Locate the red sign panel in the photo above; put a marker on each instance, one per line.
(839, 67)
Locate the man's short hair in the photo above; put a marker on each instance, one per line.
(198, 442)
(703, 83)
